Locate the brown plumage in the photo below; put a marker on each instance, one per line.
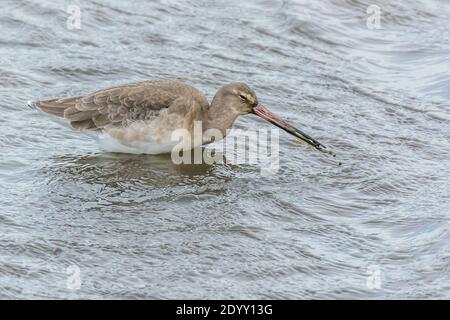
(119, 106)
(143, 115)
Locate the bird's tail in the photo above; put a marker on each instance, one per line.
(54, 107)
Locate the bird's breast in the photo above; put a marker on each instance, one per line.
(149, 137)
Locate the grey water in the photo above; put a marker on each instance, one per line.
(76, 222)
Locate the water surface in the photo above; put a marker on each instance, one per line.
(142, 227)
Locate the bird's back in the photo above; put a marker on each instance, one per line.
(122, 105)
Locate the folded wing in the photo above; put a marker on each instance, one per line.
(119, 106)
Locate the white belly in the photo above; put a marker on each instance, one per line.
(109, 144)
(140, 138)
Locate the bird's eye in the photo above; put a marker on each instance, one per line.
(243, 98)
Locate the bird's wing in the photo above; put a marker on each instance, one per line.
(119, 106)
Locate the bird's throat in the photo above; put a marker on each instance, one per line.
(219, 118)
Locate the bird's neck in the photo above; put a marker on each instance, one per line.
(219, 117)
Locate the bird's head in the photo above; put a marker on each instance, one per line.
(239, 98)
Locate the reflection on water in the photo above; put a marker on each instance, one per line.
(143, 227)
(113, 167)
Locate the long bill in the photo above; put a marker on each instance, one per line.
(267, 115)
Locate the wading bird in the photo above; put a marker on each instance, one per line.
(141, 117)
